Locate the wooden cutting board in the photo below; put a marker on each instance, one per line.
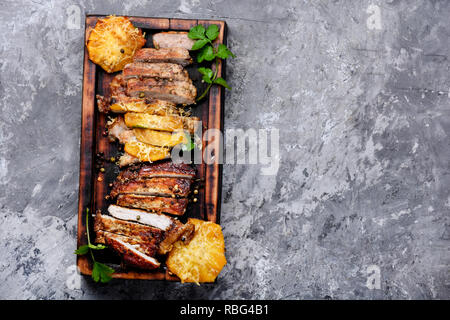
(93, 190)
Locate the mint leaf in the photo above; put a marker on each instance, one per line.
(197, 32)
(223, 52)
(97, 246)
(101, 272)
(207, 53)
(82, 250)
(213, 32)
(199, 44)
(207, 74)
(222, 82)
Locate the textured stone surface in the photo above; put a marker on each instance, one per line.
(362, 105)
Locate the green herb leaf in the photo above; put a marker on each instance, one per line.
(97, 246)
(188, 146)
(101, 272)
(207, 74)
(82, 250)
(212, 32)
(222, 82)
(223, 52)
(197, 32)
(207, 53)
(199, 44)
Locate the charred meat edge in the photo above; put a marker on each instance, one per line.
(172, 55)
(169, 71)
(174, 206)
(153, 186)
(130, 254)
(179, 92)
(127, 228)
(174, 229)
(149, 248)
(162, 169)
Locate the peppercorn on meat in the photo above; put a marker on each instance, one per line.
(176, 91)
(155, 186)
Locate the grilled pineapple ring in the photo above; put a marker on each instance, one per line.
(202, 259)
(113, 42)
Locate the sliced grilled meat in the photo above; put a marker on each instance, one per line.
(140, 224)
(172, 39)
(130, 255)
(172, 55)
(150, 248)
(140, 232)
(175, 206)
(156, 220)
(179, 92)
(162, 169)
(118, 86)
(103, 103)
(154, 186)
(169, 71)
(127, 160)
(118, 130)
(183, 232)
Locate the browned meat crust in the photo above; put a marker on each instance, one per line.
(184, 232)
(118, 130)
(154, 186)
(153, 203)
(169, 71)
(179, 92)
(150, 248)
(147, 239)
(138, 231)
(159, 169)
(129, 253)
(172, 55)
(128, 160)
(118, 86)
(172, 39)
(103, 103)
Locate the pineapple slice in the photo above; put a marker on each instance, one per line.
(150, 121)
(160, 108)
(202, 259)
(145, 152)
(113, 43)
(160, 138)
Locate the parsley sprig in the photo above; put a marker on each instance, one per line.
(207, 51)
(100, 272)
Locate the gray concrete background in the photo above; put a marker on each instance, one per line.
(362, 105)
